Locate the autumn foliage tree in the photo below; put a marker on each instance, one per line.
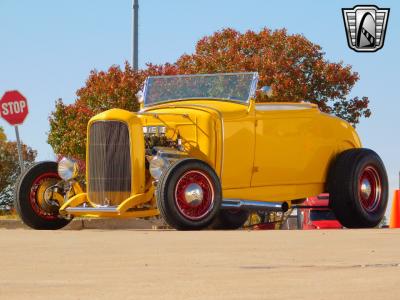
(116, 88)
(10, 169)
(293, 66)
(2, 135)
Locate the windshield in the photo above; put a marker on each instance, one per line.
(237, 87)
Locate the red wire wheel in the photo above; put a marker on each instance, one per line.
(194, 195)
(369, 189)
(36, 196)
(35, 209)
(189, 194)
(358, 188)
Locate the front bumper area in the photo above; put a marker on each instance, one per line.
(80, 206)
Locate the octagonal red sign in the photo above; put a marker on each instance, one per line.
(13, 107)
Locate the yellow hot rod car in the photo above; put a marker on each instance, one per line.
(202, 154)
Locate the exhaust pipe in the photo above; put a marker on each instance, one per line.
(254, 205)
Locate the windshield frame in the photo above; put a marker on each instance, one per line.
(253, 87)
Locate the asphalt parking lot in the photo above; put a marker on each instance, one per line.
(146, 264)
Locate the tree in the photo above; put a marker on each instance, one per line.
(10, 168)
(3, 136)
(115, 88)
(294, 67)
(291, 65)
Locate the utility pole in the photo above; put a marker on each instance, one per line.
(135, 34)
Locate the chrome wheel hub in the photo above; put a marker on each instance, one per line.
(369, 189)
(193, 194)
(365, 188)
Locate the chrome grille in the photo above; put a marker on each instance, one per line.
(109, 177)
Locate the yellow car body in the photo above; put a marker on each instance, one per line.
(260, 151)
(201, 153)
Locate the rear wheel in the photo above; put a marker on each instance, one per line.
(358, 188)
(230, 219)
(36, 208)
(189, 195)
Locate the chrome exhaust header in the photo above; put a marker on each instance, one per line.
(254, 205)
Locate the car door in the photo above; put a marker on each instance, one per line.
(290, 148)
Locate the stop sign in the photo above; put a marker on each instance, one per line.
(13, 107)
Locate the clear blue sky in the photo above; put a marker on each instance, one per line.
(48, 48)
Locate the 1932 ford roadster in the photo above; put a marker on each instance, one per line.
(203, 154)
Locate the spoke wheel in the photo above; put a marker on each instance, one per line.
(370, 190)
(189, 195)
(37, 196)
(37, 208)
(194, 195)
(358, 188)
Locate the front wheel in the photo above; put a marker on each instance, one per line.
(189, 195)
(35, 207)
(358, 188)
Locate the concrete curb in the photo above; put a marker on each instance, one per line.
(109, 224)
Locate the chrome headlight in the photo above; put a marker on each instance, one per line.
(157, 166)
(67, 168)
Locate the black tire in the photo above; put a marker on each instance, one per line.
(230, 219)
(173, 208)
(354, 205)
(23, 202)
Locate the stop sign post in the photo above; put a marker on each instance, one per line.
(14, 109)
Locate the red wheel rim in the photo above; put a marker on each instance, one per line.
(194, 195)
(369, 189)
(33, 196)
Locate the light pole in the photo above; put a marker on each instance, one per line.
(135, 33)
